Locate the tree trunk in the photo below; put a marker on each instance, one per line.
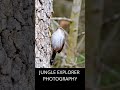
(73, 34)
(17, 45)
(43, 50)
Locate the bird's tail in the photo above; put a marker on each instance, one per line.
(52, 58)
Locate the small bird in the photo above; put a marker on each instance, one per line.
(58, 41)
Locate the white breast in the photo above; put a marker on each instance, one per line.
(58, 38)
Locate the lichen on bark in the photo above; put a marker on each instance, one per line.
(43, 12)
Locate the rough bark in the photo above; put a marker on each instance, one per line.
(17, 45)
(43, 10)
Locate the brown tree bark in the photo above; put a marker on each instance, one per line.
(17, 45)
(43, 11)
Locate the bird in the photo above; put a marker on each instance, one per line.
(57, 43)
